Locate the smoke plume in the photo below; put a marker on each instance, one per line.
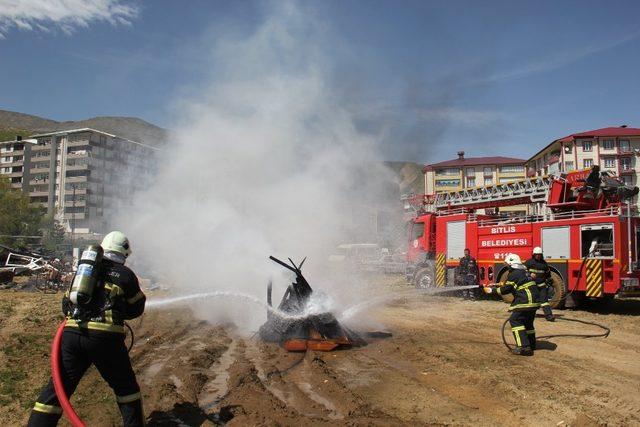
(264, 161)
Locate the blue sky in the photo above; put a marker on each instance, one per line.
(491, 78)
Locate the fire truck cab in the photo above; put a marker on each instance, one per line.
(583, 221)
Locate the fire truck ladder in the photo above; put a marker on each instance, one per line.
(530, 190)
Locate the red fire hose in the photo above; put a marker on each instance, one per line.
(57, 379)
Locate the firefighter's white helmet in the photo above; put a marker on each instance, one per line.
(116, 241)
(537, 250)
(512, 259)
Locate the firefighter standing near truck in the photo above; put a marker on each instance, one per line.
(468, 274)
(524, 306)
(94, 334)
(541, 274)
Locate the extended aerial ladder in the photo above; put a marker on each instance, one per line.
(530, 190)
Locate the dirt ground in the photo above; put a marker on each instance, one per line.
(444, 364)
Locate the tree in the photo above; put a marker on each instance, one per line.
(17, 216)
(52, 233)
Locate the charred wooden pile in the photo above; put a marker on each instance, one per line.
(290, 327)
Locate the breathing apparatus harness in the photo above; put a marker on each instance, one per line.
(606, 329)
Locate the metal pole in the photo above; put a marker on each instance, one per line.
(629, 270)
(73, 215)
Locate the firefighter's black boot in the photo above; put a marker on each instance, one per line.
(523, 351)
(531, 335)
(132, 414)
(548, 314)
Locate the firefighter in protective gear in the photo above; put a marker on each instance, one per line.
(524, 306)
(468, 274)
(95, 334)
(541, 274)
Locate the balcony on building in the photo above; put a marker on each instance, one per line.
(39, 170)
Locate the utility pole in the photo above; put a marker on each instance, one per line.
(73, 215)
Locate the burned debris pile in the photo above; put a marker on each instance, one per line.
(295, 329)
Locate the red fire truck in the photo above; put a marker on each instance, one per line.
(584, 221)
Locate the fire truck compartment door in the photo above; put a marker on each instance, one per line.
(456, 239)
(555, 242)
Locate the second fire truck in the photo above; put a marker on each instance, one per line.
(584, 221)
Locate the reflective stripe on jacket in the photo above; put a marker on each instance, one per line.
(525, 292)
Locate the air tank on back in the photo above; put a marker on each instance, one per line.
(86, 277)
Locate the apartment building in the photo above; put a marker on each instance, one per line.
(80, 175)
(614, 149)
(12, 154)
(469, 172)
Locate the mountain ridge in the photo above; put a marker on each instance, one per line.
(132, 128)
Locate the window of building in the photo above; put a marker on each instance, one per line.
(71, 209)
(40, 165)
(41, 188)
(5, 170)
(471, 181)
(40, 177)
(587, 146)
(568, 149)
(6, 159)
(609, 162)
(587, 163)
(568, 166)
(512, 169)
(627, 179)
(79, 137)
(77, 186)
(77, 173)
(488, 181)
(78, 197)
(625, 163)
(471, 171)
(506, 180)
(448, 172)
(448, 183)
(488, 171)
(607, 144)
(624, 145)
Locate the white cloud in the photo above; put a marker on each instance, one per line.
(557, 61)
(65, 15)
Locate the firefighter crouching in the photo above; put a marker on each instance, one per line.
(541, 274)
(94, 334)
(524, 306)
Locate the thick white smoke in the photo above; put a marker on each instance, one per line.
(264, 162)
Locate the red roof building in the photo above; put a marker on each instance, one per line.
(468, 172)
(614, 149)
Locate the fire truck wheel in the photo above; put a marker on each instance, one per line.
(557, 291)
(423, 278)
